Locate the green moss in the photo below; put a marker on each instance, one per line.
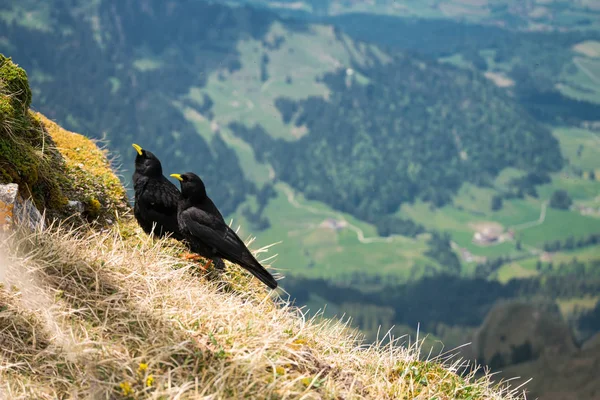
(14, 80)
(88, 175)
(6, 108)
(93, 208)
(49, 164)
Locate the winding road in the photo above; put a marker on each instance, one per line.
(360, 235)
(531, 224)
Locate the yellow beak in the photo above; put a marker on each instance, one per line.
(178, 177)
(137, 148)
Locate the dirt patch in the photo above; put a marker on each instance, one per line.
(298, 132)
(487, 226)
(499, 79)
(473, 3)
(589, 48)
(452, 10)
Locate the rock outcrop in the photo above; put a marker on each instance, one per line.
(16, 210)
(56, 173)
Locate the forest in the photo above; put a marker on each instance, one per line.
(374, 146)
(536, 60)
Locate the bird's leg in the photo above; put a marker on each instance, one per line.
(191, 257)
(219, 264)
(207, 265)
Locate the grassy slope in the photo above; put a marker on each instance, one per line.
(583, 81)
(51, 165)
(92, 314)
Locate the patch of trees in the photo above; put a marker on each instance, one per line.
(573, 268)
(257, 218)
(519, 354)
(440, 249)
(287, 108)
(589, 322)
(571, 243)
(497, 203)
(553, 107)
(561, 200)
(264, 63)
(392, 225)
(526, 185)
(447, 299)
(441, 299)
(486, 269)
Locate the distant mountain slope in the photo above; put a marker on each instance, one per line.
(514, 14)
(399, 131)
(544, 69)
(174, 76)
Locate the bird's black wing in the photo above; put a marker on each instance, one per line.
(210, 207)
(159, 204)
(213, 232)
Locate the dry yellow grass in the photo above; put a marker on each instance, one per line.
(89, 172)
(115, 314)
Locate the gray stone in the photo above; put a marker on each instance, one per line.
(76, 206)
(16, 211)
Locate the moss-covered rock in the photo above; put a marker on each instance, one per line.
(52, 165)
(89, 177)
(14, 80)
(15, 97)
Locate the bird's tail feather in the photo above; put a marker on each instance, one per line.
(253, 266)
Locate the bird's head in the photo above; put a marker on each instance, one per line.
(192, 186)
(146, 163)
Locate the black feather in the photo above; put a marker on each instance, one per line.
(204, 228)
(156, 198)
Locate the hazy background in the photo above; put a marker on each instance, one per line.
(431, 163)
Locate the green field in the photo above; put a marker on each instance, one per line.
(584, 82)
(307, 248)
(580, 146)
(528, 267)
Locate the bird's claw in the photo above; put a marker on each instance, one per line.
(207, 265)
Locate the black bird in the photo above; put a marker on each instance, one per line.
(207, 233)
(156, 197)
